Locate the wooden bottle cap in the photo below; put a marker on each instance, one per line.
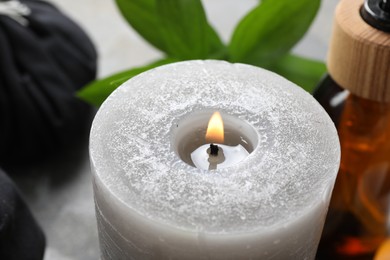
(359, 55)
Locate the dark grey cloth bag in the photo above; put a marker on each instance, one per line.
(44, 59)
(20, 236)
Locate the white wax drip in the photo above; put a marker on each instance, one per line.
(232, 155)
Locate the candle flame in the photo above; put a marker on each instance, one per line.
(215, 132)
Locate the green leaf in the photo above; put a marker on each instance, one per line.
(96, 92)
(302, 71)
(176, 27)
(142, 16)
(186, 32)
(270, 30)
(216, 45)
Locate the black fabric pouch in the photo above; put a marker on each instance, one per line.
(44, 59)
(20, 236)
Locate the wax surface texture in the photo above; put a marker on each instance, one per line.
(152, 205)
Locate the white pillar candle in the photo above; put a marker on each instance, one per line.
(151, 204)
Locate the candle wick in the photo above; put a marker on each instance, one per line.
(214, 150)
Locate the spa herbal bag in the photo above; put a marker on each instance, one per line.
(44, 58)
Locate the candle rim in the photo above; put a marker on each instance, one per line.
(249, 137)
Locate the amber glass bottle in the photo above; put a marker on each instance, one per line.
(356, 94)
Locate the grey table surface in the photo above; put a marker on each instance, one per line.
(59, 192)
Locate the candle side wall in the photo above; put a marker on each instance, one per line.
(124, 234)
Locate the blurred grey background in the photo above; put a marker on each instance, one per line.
(60, 193)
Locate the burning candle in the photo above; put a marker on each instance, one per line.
(215, 154)
(156, 198)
